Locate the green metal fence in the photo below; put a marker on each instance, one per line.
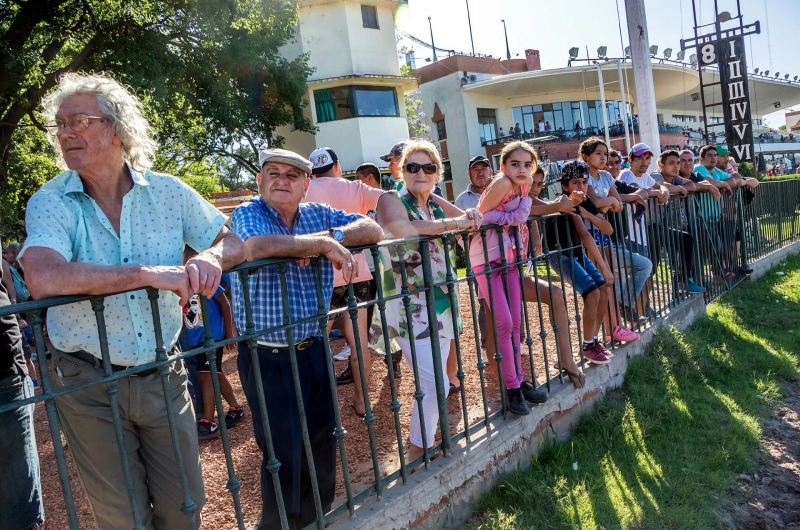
(722, 238)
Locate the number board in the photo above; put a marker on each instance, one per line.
(729, 56)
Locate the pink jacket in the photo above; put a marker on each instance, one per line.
(351, 197)
(517, 211)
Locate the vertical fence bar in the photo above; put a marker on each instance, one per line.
(233, 485)
(395, 404)
(272, 464)
(111, 390)
(339, 432)
(312, 469)
(35, 319)
(498, 357)
(188, 507)
(438, 375)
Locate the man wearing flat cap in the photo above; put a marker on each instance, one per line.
(277, 225)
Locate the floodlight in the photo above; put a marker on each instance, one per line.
(627, 51)
(725, 16)
(654, 50)
(786, 76)
(777, 74)
(755, 71)
(681, 55)
(693, 59)
(573, 52)
(601, 51)
(766, 73)
(795, 78)
(667, 53)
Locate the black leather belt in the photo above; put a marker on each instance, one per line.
(91, 359)
(302, 345)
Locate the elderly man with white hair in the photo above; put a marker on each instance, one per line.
(109, 224)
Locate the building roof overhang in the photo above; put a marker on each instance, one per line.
(675, 86)
(406, 83)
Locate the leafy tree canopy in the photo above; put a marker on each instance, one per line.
(208, 72)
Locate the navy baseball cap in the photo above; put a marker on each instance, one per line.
(479, 159)
(574, 169)
(397, 150)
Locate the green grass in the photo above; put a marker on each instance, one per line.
(663, 451)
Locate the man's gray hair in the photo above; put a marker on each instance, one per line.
(120, 107)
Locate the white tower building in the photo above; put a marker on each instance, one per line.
(356, 92)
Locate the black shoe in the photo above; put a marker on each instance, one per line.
(396, 356)
(207, 429)
(516, 402)
(345, 378)
(233, 416)
(531, 394)
(747, 271)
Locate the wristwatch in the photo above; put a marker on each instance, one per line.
(336, 234)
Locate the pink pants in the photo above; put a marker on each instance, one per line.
(507, 314)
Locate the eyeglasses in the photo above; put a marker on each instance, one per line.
(76, 122)
(429, 169)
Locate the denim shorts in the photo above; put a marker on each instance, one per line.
(21, 495)
(581, 274)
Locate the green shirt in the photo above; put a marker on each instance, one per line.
(160, 216)
(709, 209)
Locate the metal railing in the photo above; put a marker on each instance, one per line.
(692, 237)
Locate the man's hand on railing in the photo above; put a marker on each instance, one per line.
(343, 260)
(169, 278)
(204, 274)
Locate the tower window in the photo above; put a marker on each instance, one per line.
(369, 16)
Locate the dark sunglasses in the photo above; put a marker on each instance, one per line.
(413, 168)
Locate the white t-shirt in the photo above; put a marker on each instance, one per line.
(637, 231)
(541, 126)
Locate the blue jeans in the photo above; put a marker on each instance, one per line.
(21, 493)
(580, 273)
(632, 270)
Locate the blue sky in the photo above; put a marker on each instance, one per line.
(554, 26)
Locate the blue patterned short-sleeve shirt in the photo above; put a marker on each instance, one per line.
(160, 216)
(257, 218)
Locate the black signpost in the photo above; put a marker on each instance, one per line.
(724, 50)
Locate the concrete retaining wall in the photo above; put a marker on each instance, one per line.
(442, 496)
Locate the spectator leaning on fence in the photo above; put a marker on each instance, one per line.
(414, 211)
(110, 224)
(505, 202)
(277, 225)
(21, 494)
(480, 175)
(328, 187)
(580, 263)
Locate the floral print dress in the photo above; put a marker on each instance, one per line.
(389, 264)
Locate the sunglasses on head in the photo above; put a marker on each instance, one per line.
(429, 169)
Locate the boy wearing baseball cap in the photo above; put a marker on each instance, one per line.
(588, 275)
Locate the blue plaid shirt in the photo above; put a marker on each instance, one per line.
(256, 218)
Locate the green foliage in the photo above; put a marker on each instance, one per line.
(414, 115)
(782, 177)
(30, 164)
(782, 128)
(746, 169)
(203, 184)
(208, 72)
(664, 451)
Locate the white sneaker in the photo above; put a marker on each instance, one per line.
(344, 354)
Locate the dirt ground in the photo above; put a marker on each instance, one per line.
(770, 498)
(218, 512)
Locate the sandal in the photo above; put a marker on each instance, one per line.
(578, 380)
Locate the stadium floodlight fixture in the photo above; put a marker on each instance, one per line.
(667, 53)
(777, 74)
(573, 52)
(627, 51)
(654, 50)
(693, 59)
(786, 76)
(601, 52)
(795, 78)
(681, 55)
(755, 71)
(766, 73)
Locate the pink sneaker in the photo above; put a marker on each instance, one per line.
(624, 334)
(596, 354)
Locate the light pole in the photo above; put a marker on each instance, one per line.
(508, 50)
(469, 21)
(433, 45)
